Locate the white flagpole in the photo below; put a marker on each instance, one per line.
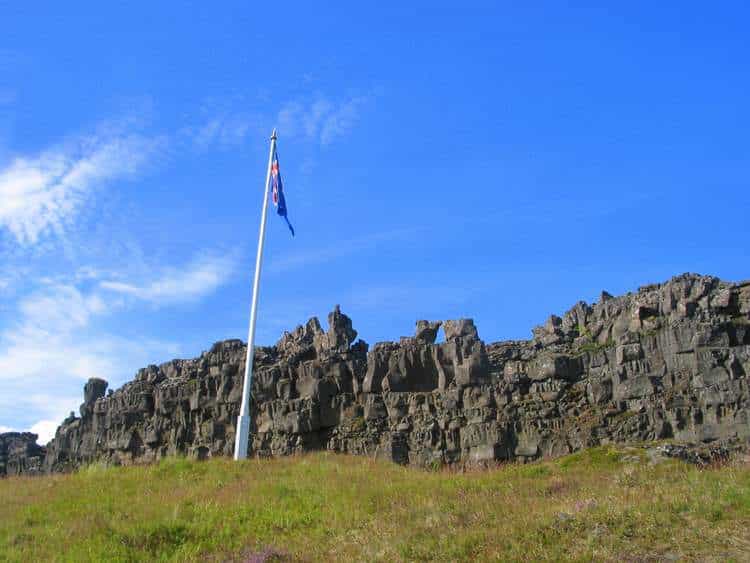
(242, 435)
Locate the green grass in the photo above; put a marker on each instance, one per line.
(594, 347)
(591, 505)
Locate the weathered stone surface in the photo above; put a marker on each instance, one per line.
(20, 454)
(427, 331)
(94, 389)
(670, 361)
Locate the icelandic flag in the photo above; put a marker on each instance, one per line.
(278, 190)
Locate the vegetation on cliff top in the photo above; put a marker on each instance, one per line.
(598, 504)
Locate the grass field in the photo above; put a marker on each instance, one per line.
(594, 505)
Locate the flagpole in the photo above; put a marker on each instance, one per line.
(242, 435)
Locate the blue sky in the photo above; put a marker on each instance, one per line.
(491, 160)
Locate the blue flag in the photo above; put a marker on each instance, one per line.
(278, 190)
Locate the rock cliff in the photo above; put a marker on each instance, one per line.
(20, 454)
(670, 361)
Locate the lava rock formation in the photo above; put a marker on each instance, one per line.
(668, 362)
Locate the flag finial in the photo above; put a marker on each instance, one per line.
(273, 135)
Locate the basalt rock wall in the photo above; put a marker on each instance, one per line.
(20, 454)
(670, 361)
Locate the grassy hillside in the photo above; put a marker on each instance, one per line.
(598, 504)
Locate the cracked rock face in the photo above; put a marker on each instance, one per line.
(20, 454)
(668, 362)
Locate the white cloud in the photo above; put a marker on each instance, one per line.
(321, 120)
(313, 117)
(288, 118)
(174, 285)
(47, 354)
(43, 194)
(63, 336)
(45, 430)
(340, 121)
(205, 135)
(62, 307)
(54, 347)
(224, 129)
(60, 329)
(43, 343)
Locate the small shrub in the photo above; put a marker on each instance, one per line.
(358, 424)
(594, 347)
(435, 465)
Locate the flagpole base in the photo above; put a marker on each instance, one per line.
(242, 437)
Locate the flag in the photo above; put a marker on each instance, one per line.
(278, 190)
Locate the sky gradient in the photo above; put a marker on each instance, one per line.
(500, 162)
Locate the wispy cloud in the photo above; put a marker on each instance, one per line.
(41, 344)
(223, 122)
(200, 277)
(341, 120)
(55, 345)
(63, 335)
(227, 122)
(335, 251)
(224, 130)
(322, 120)
(42, 194)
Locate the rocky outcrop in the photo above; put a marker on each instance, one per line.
(20, 454)
(670, 361)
